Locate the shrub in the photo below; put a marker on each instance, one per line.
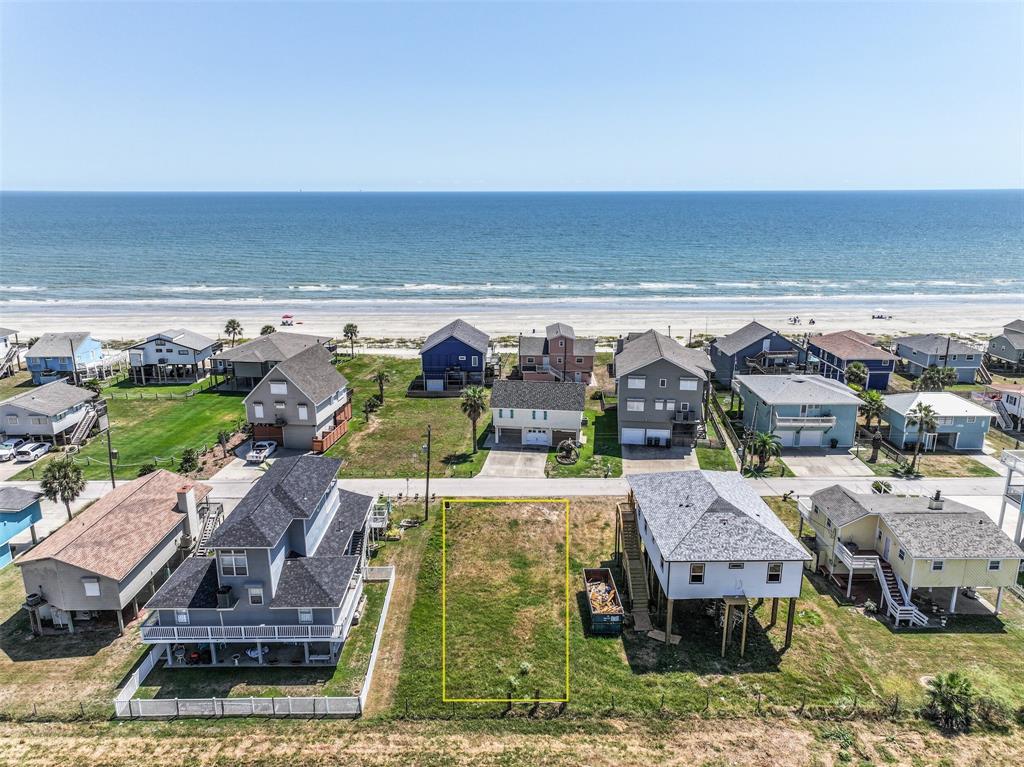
(147, 468)
(189, 461)
(951, 702)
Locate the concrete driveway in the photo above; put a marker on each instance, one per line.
(640, 459)
(826, 463)
(514, 461)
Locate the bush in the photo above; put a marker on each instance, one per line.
(189, 461)
(146, 468)
(952, 702)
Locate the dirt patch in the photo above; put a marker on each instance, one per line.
(216, 459)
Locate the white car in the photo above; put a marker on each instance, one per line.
(31, 451)
(9, 447)
(261, 451)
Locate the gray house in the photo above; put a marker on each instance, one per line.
(246, 364)
(753, 348)
(925, 351)
(54, 412)
(304, 403)
(1008, 346)
(114, 552)
(960, 424)
(801, 410)
(285, 580)
(171, 356)
(661, 387)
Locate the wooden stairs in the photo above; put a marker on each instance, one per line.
(632, 564)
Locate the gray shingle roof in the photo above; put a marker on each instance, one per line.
(4, 332)
(1017, 326)
(193, 585)
(1015, 338)
(799, 390)
(740, 339)
(350, 516)
(462, 330)
(313, 371)
(932, 343)
(532, 346)
(314, 581)
(50, 399)
(56, 344)
(291, 489)
(537, 346)
(955, 531)
(585, 347)
(271, 348)
(182, 337)
(539, 395)
(556, 329)
(653, 346)
(711, 516)
(17, 498)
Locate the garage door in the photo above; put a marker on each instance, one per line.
(810, 438)
(435, 384)
(536, 437)
(632, 437)
(662, 435)
(787, 438)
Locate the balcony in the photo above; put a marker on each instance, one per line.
(821, 422)
(684, 416)
(856, 559)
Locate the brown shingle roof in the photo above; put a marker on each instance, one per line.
(850, 345)
(113, 535)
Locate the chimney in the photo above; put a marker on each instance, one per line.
(935, 502)
(187, 506)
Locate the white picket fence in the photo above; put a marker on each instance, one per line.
(127, 707)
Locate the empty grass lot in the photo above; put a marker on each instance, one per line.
(389, 444)
(148, 424)
(935, 465)
(837, 652)
(15, 384)
(505, 599)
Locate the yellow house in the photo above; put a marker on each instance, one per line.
(917, 548)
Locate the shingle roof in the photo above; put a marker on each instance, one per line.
(314, 581)
(462, 330)
(849, 345)
(1017, 326)
(274, 347)
(584, 347)
(955, 531)
(182, 337)
(537, 346)
(539, 395)
(932, 343)
(56, 344)
(652, 346)
(532, 346)
(117, 532)
(352, 511)
(798, 390)
(4, 332)
(740, 339)
(944, 403)
(50, 399)
(711, 516)
(291, 489)
(17, 498)
(312, 371)
(556, 329)
(1015, 338)
(192, 585)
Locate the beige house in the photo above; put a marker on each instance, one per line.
(924, 552)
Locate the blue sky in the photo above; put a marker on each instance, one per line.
(540, 96)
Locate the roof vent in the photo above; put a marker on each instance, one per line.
(935, 502)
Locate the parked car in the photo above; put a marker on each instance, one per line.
(31, 451)
(9, 447)
(261, 451)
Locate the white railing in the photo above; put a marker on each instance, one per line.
(1014, 459)
(154, 633)
(907, 611)
(805, 421)
(855, 561)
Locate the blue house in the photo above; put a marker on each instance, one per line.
(19, 511)
(836, 351)
(454, 357)
(50, 357)
(927, 351)
(753, 348)
(959, 423)
(801, 410)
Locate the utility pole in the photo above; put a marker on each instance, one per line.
(426, 494)
(110, 457)
(74, 363)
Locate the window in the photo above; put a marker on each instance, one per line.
(775, 572)
(12, 419)
(945, 420)
(994, 564)
(902, 554)
(511, 413)
(683, 406)
(697, 572)
(182, 351)
(39, 420)
(233, 562)
(637, 382)
(545, 415)
(529, 359)
(687, 384)
(279, 405)
(956, 356)
(969, 357)
(257, 409)
(972, 418)
(462, 358)
(937, 565)
(475, 360)
(501, 413)
(561, 344)
(255, 595)
(659, 404)
(91, 586)
(662, 383)
(303, 412)
(736, 565)
(181, 616)
(278, 387)
(635, 405)
(533, 414)
(579, 360)
(828, 523)
(559, 360)
(305, 615)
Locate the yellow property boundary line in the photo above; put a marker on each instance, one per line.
(444, 601)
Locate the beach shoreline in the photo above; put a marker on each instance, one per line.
(975, 315)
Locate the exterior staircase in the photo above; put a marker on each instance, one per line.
(211, 520)
(8, 364)
(84, 427)
(355, 548)
(632, 564)
(1004, 416)
(984, 376)
(897, 601)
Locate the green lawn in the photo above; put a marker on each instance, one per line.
(715, 459)
(15, 384)
(837, 652)
(156, 430)
(935, 465)
(776, 468)
(999, 440)
(389, 444)
(601, 455)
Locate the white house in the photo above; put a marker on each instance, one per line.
(172, 355)
(537, 412)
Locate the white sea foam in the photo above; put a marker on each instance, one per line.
(20, 288)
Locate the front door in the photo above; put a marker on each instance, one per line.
(929, 441)
(885, 549)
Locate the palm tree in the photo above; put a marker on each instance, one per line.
(947, 377)
(63, 480)
(857, 374)
(765, 445)
(351, 332)
(924, 417)
(382, 378)
(951, 701)
(92, 385)
(233, 329)
(872, 406)
(370, 406)
(474, 405)
(266, 330)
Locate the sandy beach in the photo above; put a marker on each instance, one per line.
(975, 316)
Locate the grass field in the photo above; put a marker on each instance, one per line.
(15, 384)
(389, 444)
(505, 600)
(601, 454)
(936, 465)
(715, 459)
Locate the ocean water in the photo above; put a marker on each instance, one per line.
(491, 248)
